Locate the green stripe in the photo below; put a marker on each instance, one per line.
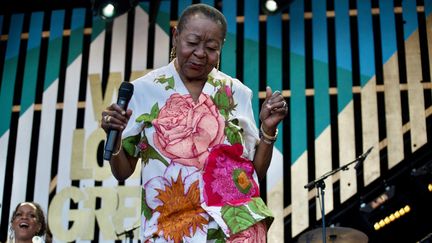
(10, 71)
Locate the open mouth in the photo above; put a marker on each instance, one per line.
(24, 225)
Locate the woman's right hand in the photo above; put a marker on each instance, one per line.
(114, 117)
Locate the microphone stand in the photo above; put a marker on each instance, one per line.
(319, 184)
(128, 234)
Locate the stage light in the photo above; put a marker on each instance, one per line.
(392, 217)
(271, 5)
(274, 6)
(387, 220)
(110, 9)
(377, 226)
(430, 187)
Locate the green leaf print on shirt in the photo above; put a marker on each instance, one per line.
(237, 218)
(233, 131)
(138, 146)
(216, 234)
(258, 206)
(148, 118)
(129, 144)
(169, 82)
(148, 152)
(145, 210)
(223, 98)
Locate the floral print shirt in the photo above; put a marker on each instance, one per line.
(199, 182)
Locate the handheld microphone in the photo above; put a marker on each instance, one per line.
(124, 96)
(362, 157)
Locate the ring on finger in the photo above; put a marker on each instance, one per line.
(284, 104)
(107, 118)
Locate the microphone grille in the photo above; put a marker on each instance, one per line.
(126, 90)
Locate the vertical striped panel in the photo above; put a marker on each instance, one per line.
(369, 107)
(395, 151)
(30, 72)
(274, 79)
(139, 50)
(49, 100)
(162, 40)
(9, 70)
(117, 61)
(228, 59)
(323, 156)
(140, 39)
(25, 123)
(81, 164)
(274, 60)
(6, 100)
(69, 115)
(414, 78)
(118, 46)
(428, 10)
(251, 51)
(346, 132)
(299, 170)
(3, 143)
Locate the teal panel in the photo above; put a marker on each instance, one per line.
(274, 60)
(54, 47)
(209, 2)
(16, 23)
(228, 55)
(343, 54)
(320, 67)
(409, 11)
(428, 7)
(388, 29)
(36, 22)
(31, 63)
(366, 41)
(77, 34)
(163, 18)
(182, 4)
(298, 82)
(297, 41)
(98, 25)
(56, 28)
(251, 52)
(10, 70)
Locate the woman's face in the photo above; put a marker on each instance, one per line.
(198, 47)
(25, 222)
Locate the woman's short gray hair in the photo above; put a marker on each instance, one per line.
(206, 10)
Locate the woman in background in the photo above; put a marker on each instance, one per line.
(27, 224)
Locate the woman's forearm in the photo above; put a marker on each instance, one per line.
(122, 166)
(263, 156)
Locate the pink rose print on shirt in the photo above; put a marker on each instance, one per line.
(185, 130)
(228, 177)
(254, 234)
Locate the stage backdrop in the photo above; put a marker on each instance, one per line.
(356, 75)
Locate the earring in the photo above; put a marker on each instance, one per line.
(217, 65)
(173, 53)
